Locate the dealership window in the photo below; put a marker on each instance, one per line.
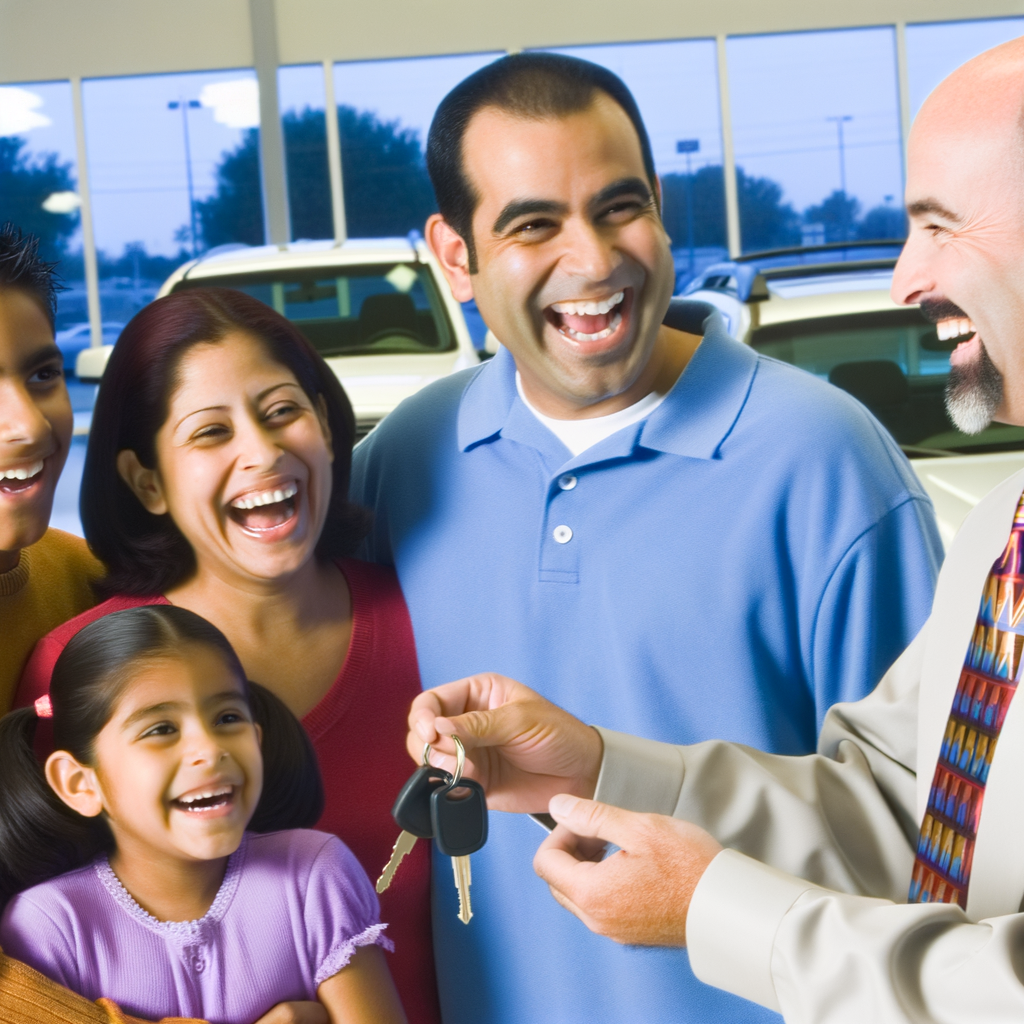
(384, 112)
(815, 119)
(933, 51)
(675, 85)
(173, 171)
(302, 100)
(39, 183)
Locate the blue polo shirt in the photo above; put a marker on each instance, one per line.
(754, 551)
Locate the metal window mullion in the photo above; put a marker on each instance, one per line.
(89, 260)
(274, 175)
(903, 89)
(334, 156)
(732, 201)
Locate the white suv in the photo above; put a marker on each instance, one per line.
(828, 311)
(378, 310)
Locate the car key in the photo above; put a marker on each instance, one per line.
(458, 814)
(411, 811)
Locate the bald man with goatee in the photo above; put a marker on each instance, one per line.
(881, 879)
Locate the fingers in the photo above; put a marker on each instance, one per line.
(597, 820)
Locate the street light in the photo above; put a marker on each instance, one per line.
(840, 120)
(184, 106)
(689, 146)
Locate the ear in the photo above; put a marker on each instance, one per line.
(450, 249)
(144, 483)
(259, 733)
(75, 783)
(325, 426)
(658, 194)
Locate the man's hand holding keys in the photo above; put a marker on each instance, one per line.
(532, 756)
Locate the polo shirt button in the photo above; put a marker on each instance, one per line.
(567, 482)
(562, 534)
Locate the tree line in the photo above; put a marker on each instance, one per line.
(388, 193)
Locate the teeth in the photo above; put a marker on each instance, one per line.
(266, 497)
(955, 328)
(23, 473)
(599, 336)
(193, 797)
(589, 308)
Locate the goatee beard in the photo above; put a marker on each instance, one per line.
(974, 391)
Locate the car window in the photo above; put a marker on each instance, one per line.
(894, 363)
(365, 310)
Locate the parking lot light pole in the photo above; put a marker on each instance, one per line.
(184, 106)
(689, 146)
(840, 120)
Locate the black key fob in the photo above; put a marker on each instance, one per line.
(411, 809)
(459, 818)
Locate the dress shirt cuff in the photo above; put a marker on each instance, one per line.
(639, 775)
(735, 913)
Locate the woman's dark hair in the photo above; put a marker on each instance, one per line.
(147, 554)
(529, 85)
(40, 836)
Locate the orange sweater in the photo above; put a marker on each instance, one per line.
(49, 585)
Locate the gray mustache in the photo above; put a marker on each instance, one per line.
(936, 310)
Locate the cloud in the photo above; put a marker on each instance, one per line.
(235, 104)
(18, 111)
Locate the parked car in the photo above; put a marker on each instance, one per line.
(378, 310)
(71, 340)
(828, 311)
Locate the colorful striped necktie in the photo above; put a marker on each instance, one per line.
(988, 681)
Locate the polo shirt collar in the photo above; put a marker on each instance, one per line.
(693, 420)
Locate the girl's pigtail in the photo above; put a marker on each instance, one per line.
(40, 836)
(293, 791)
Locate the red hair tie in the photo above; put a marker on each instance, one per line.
(44, 709)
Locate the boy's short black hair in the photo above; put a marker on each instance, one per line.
(528, 85)
(22, 267)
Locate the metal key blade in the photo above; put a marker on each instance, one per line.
(403, 844)
(463, 879)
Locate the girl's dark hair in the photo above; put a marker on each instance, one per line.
(147, 554)
(40, 836)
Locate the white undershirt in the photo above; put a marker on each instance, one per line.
(579, 435)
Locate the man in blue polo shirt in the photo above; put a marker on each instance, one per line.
(644, 520)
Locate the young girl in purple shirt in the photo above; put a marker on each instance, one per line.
(125, 862)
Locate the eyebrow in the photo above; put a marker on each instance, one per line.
(221, 408)
(524, 207)
(41, 355)
(521, 207)
(176, 705)
(925, 206)
(622, 187)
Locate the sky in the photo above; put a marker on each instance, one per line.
(783, 90)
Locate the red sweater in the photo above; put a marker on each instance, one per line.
(358, 730)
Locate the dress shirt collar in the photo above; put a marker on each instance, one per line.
(694, 419)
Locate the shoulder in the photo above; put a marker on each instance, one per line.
(303, 855)
(58, 902)
(822, 428)
(67, 551)
(417, 421)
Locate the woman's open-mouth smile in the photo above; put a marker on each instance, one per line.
(269, 514)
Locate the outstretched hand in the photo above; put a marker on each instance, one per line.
(520, 747)
(639, 895)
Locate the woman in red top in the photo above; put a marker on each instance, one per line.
(216, 479)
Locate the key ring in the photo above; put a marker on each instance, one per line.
(460, 761)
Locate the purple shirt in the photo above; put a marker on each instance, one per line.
(291, 911)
